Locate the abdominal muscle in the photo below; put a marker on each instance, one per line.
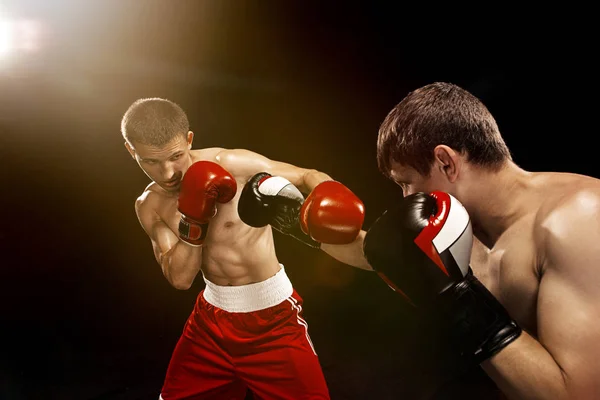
(235, 254)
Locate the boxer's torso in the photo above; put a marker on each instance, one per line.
(513, 268)
(510, 270)
(233, 252)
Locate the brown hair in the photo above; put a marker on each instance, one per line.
(439, 113)
(154, 121)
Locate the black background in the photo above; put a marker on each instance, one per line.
(85, 312)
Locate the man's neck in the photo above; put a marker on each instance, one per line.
(495, 200)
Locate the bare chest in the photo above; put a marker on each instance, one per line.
(222, 226)
(509, 272)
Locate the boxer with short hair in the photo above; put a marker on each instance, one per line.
(246, 330)
(522, 300)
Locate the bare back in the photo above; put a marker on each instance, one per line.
(233, 252)
(513, 268)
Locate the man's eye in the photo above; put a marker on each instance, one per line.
(177, 157)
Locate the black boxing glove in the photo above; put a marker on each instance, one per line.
(422, 250)
(273, 200)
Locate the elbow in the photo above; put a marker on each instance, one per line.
(179, 281)
(181, 284)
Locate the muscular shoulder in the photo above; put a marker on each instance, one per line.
(232, 157)
(242, 163)
(148, 204)
(565, 196)
(206, 154)
(568, 224)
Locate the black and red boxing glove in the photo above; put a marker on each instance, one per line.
(422, 250)
(204, 185)
(331, 214)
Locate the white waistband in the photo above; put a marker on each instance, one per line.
(251, 297)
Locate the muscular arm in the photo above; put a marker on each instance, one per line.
(351, 254)
(179, 261)
(246, 163)
(565, 362)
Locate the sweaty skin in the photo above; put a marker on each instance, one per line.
(233, 252)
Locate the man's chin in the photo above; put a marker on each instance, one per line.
(171, 189)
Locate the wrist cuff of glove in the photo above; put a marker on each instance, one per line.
(286, 221)
(297, 233)
(481, 326)
(307, 240)
(499, 341)
(192, 232)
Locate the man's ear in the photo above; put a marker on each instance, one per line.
(130, 150)
(448, 161)
(190, 139)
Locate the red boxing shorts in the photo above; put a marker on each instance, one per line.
(241, 337)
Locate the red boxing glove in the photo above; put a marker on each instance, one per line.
(332, 214)
(204, 184)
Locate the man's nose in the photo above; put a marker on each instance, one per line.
(168, 170)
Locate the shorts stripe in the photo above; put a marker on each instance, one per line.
(301, 321)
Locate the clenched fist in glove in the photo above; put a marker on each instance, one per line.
(422, 249)
(331, 214)
(204, 185)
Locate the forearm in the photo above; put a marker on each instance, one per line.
(525, 370)
(311, 178)
(351, 254)
(181, 264)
